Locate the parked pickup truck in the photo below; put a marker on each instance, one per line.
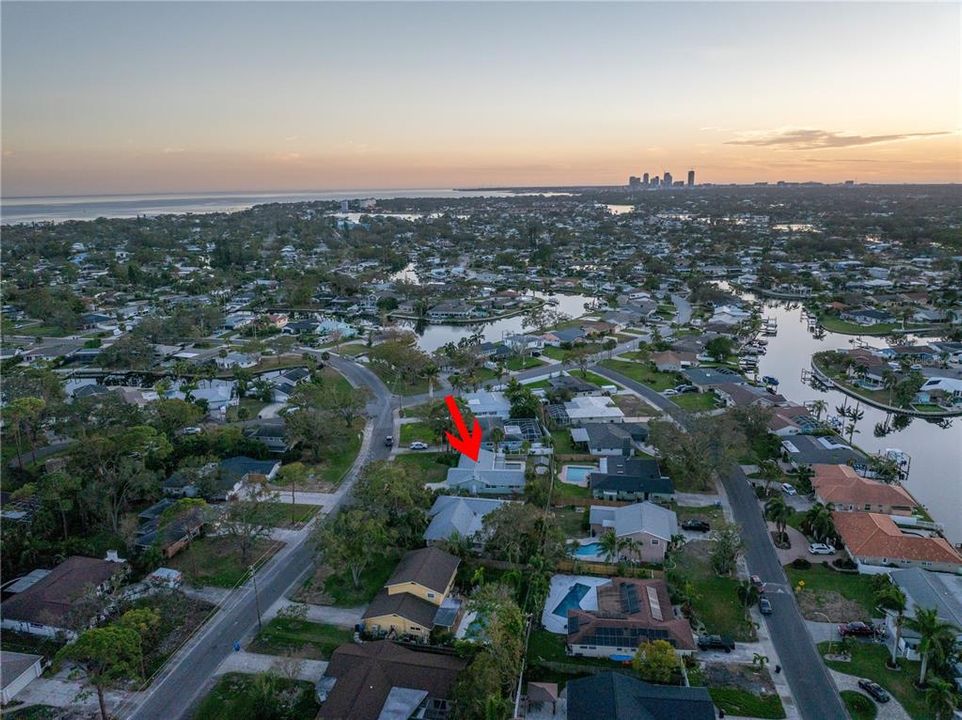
(715, 642)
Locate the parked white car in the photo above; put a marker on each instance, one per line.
(670, 392)
(821, 549)
(418, 445)
(789, 489)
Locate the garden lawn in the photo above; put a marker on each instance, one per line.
(299, 638)
(696, 402)
(247, 409)
(716, 602)
(868, 661)
(860, 707)
(352, 349)
(570, 522)
(736, 701)
(857, 588)
(398, 386)
(643, 373)
(339, 458)
(837, 325)
(233, 698)
(544, 646)
(561, 441)
(564, 491)
(284, 513)
(426, 463)
(416, 431)
(218, 562)
(340, 586)
(515, 364)
(592, 378)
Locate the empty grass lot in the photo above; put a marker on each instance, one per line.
(300, 638)
(416, 431)
(643, 373)
(857, 588)
(340, 586)
(715, 601)
(216, 560)
(234, 698)
(428, 464)
(696, 402)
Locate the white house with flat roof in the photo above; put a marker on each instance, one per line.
(593, 409)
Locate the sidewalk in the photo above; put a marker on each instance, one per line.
(254, 663)
(781, 682)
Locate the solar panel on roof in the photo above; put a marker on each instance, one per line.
(654, 603)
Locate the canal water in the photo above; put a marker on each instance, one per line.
(935, 477)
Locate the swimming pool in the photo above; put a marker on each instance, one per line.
(571, 601)
(588, 550)
(578, 474)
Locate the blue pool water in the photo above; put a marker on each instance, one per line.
(571, 601)
(578, 473)
(588, 550)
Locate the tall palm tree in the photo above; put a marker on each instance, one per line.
(778, 511)
(892, 598)
(937, 636)
(803, 477)
(940, 698)
(497, 435)
(818, 520)
(818, 407)
(609, 545)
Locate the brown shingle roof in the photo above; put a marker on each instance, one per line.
(877, 536)
(429, 567)
(410, 607)
(49, 600)
(366, 673)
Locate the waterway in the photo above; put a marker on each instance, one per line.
(935, 478)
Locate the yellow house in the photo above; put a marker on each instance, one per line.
(409, 601)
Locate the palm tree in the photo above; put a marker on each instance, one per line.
(893, 599)
(747, 593)
(937, 636)
(609, 546)
(497, 435)
(778, 511)
(940, 699)
(818, 520)
(818, 407)
(803, 478)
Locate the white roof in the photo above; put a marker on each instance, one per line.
(592, 406)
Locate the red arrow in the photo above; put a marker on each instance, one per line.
(469, 443)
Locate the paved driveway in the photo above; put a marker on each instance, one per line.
(891, 710)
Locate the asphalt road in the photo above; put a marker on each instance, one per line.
(815, 693)
(179, 688)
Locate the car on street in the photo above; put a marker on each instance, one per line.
(418, 445)
(670, 392)
(765, 606)
(696, 525)
(757, 583)
(716, 642)
(789, 489)
(821, 549)
(857, 629)
(389, 441)
(874, 689)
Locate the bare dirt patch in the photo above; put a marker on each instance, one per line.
(746, 677)
(819, 604)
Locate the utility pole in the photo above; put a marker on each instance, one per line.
(257, 600)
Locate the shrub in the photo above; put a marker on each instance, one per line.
(801, 564)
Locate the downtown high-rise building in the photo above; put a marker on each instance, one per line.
(691, 178)
(644, 179)
(667, 181)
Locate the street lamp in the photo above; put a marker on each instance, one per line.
(257, 601)
(831, 634)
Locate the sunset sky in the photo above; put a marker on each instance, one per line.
(225, 96)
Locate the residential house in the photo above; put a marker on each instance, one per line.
(650, 527)
(867, 316)
(464, 516)
(171, 537)
(630, 478)
(874, 539)
(673, 361)
(385, 681)
(610, 438)
(791, 419)
(617, 696)
(221, 481)
(593, 409)
(944, 391)
(925, 589)
(236, 360)
(822, 450)
(413, 596)
(741, 395)
(565, 336)
(488, 404)
(573, 386)
(630, 612)
(271, 432)
(17, 670)
(706, 379)
(847, 491)
(46, 607)
(492, 474)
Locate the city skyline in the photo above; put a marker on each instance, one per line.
(102, 98)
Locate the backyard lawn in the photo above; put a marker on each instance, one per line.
(643, 373)
(696, 402)
(234, 698)
(570, 522)
(819, 579)
(427, 463)
(564, 491)
(247, 409)
(299, 638)
(216, 560)
(417, 431)
(868, 661)
(715, 600)
(561, 441)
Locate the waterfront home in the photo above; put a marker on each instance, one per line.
(483, 403)
(868, 316)
(455, 515)
(791, 419)
(630, 478)
(650, 527)
(944, 391)
(874, 539)
(565, 336)
(217, 394)
(819, 450)
(847, 491)
(236, 360)
(46, 607)
(617, 696)
(924, 589)
(413, 595)
(492, 474)
(673, 361)
(630, 612)
(742, 395)
(381, 679)
(706, 379)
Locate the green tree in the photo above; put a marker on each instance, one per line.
(105, 656)
(719, 348)
(251, 518)
(892, 599)
(941, 699)
(818, 522)
(397, 493)
(23, 417)
(352, 540)
(656, 661)
(726, 547)
(145, 622)
(778, 512)
(937, 637)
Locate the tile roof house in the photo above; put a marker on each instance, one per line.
(45, 607)
(874, 539)
(381, 680)
(490, 475)
(630, 478)
(650, 526)
(630, 611)
(413, 596)
(616, 696)
(847, 491)
(464, 516)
